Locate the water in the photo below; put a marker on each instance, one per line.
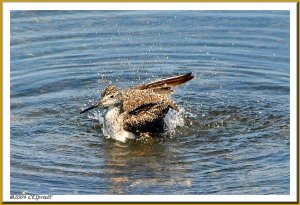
(235, 138)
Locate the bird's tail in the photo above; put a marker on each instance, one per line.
(168, 82)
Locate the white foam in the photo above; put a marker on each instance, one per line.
(97, 115)
(174, 119)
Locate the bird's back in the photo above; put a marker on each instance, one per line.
(144, 110)
(134, 99)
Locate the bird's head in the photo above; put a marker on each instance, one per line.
(111, 96)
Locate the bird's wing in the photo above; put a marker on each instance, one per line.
(136, 100)
(145, 118)
(168, 82)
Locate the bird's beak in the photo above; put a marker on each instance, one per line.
(92, 107)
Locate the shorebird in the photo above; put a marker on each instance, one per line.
(138, 111)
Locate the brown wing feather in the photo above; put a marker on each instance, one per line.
(148, 118)
(133, 99)
(168, 82)
(163, 90)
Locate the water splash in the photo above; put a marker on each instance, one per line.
(97, 115)
(174, 119)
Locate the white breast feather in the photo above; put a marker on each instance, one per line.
(113, 125)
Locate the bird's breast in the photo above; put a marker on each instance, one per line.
(114, 125)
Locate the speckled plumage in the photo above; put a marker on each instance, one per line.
(140, 109)
(133, 99)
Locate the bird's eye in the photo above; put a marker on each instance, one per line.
(112, 96)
